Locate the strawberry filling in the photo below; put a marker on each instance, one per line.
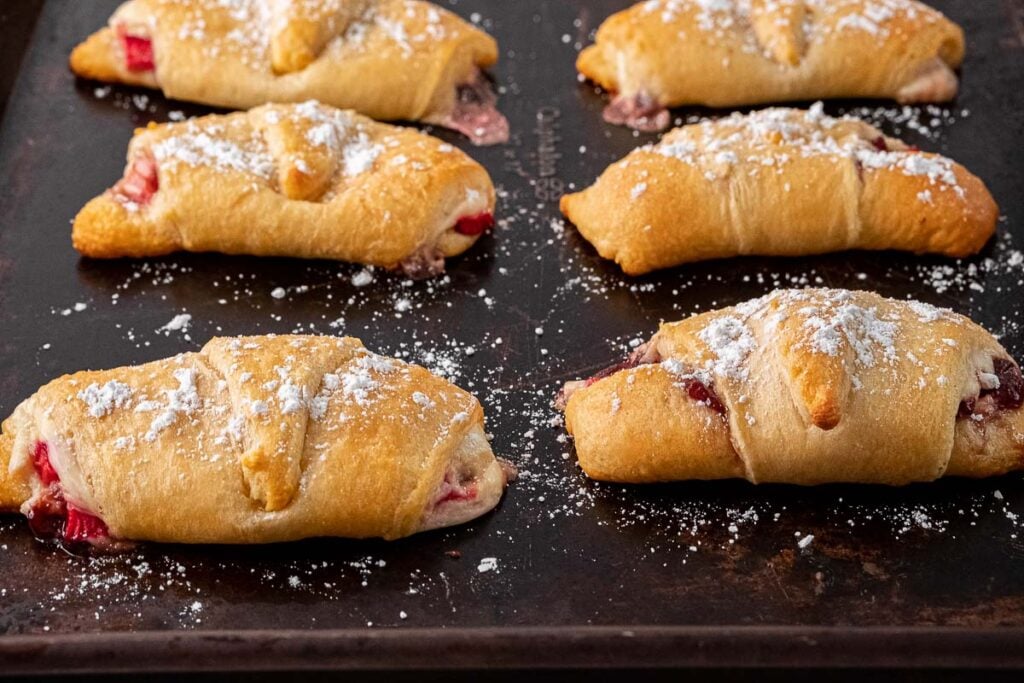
(141, 182)
(695, 389)
(51, 514)
(138, 52)
(81, 526)
(475, 114)
(641, 112)
(474, 225)
(702, 393)
(41, 463)
(1007, 395)
(454, 491)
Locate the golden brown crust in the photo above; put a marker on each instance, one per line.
(253, 440)
(815, 386)
(724, 54)
(290, 180)
(388, 59)
(781, 182)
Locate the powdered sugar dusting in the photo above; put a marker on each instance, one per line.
(731, 341)
(101, 399)
(750, 144)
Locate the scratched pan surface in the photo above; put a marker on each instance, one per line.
(525, 310)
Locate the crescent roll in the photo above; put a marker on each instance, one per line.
(725, 53)
(388, 59)
(805, 387)
(301, 180)
(250, 440)
(779, 182)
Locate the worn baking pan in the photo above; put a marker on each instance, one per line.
(565, 572)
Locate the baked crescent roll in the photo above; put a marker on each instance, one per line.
(301, 180)
(250, 440)
(779, 182)
(805, 387)
(388, 59)
(725, 53)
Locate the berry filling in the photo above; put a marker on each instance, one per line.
(474, 225)
(81, 526)
(1007, 393)
(51, 515)
(452, 490)
(647, 355)
(702, 393)
(41, 463)
(640, 112)
(476, 115)
(140, 182)
(138, 52)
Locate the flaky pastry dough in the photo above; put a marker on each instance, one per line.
(779, 182)
(388, 59)
(301, 180)
(250, 440)
(723, 53)
(805, 387)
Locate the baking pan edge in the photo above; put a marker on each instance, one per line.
(510, 648)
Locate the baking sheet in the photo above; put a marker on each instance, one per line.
(526, 309)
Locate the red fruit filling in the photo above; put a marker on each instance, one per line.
(641, 112)
(452, 490)
(702, 393)
(695, 389)
(138, 52)
(631, 362)
(1009, 395)
(51, 514)
(81, 526)
(141, 182)
(41, 462)
(880, 144)
(474, 225)
(476, 115)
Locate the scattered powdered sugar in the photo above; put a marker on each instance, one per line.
(178, 323)
(191, 145)
(102, 399)
(290, 397)
(731, 342)
(749, 143)
(719, 19)
(358, 382)
(359, 155)
(854, 326)
(182, 400)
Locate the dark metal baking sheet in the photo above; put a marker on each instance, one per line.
(688, 574)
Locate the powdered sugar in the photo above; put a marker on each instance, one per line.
(360, 380)
(731, 342)
(182, 400)
(750, 144)
(102, 399)
(192, 146)
(836, 327)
